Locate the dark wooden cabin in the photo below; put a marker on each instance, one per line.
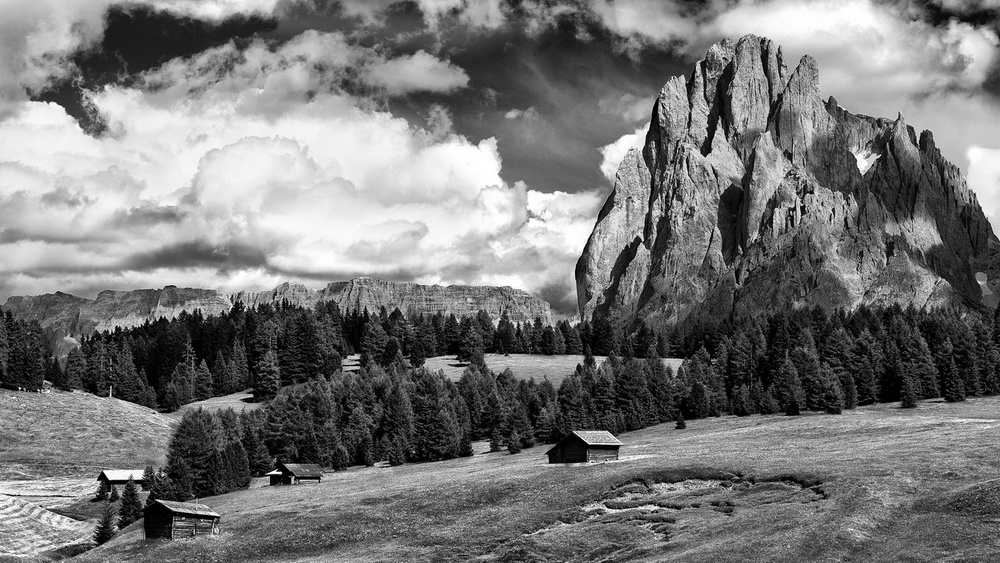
(172, 520)
(118, 477)
(295, 473)
(582, 446)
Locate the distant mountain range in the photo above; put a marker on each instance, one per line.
(752, 194)
(66, 317)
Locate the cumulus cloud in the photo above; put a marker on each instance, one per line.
(419, 72)
(984, 179)
(612, 154)
(239, 168)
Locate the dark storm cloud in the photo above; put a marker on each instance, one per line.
(940, 12)
(198, 254)
(562, 297)
(147, 216)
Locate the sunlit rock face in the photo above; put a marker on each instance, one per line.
(752, 193)
(66, 318)
(363, 293)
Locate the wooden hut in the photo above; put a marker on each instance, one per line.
(172, 520)
(118, 477)
(295, 473)
(583, 446)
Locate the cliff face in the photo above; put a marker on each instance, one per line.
(66, 317)
(361, 293)
(752, 193)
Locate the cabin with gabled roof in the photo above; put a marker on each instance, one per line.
(583, 446)
(171, 520)
(295, 473)
(118, 477)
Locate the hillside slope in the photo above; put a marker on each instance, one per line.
(753, 192)
(74, 434)
(876, 484)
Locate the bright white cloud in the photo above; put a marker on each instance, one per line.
(984, 179)
(612, 154)
(242, 168)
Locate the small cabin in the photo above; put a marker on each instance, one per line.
(118, 477)
(172, 520)
(583, 446)
(295, 473)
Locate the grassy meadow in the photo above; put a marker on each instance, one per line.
(524, 366)
(875, 484)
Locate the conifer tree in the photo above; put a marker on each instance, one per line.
(148, 477)
(103, 490)
(115, 496)
(268, 380)
(76, 369)
(952, 385)
(791, 389)
(832, 394)
(203, 382)
(131, 507)
(239, 370)
(910, 391)
(106, 526)
(222, 381)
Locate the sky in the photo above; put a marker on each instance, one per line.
(237, 144)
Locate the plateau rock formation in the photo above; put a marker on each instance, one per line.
(370, 293)
(752, 194)
(66, 317)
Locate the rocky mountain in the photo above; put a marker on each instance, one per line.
(753, 193)
(66, 317)
(370, 293)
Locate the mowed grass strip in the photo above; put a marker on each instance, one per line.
(894, 485)
(28, 529)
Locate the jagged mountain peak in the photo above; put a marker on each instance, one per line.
(752, 192)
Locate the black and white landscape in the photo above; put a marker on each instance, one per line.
(292, 280)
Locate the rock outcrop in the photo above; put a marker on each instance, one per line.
(752, 193)
(370, 293)
(66, 317)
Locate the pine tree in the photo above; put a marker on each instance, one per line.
(222, 380)
(115, 496)
(952, 384)
(103, 490)
(268, 380)
(148, 476)
(832, 394)
(131, 507)
(909, 392)
(203, 382)
(76, 369)
(791, 389)
(106, 526)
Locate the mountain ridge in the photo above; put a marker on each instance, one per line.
(66, 317)
(752, 192)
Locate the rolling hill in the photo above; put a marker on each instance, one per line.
(876, 484)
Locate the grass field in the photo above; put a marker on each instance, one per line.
(69, 434)
(524, 366)
(875, 484)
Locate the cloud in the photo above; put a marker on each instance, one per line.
(419, 72)
(529, 114)
(241, 167)
(984, 179)
(613, 154)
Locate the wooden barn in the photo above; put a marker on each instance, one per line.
(582, 446)
(118, 477)
(295, 473)
(172, 520)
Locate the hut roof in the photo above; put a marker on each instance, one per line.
(591, 438)
(189, 508)
(121, 474)
(597, 437)
(301, 470)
